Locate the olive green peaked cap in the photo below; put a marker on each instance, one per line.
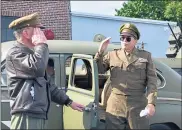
(26, 21)
(130, 28)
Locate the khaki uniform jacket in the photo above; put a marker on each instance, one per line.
(130, 75)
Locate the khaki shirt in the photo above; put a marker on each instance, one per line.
(131, 74)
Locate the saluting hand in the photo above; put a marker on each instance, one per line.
(38, 37)
(104, 44)
(76, 106)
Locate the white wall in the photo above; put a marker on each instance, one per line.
(154, 33)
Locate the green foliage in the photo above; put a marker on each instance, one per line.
(175, 7)
(151, 9)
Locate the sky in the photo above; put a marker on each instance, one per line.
(96, 7)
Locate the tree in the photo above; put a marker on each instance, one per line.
(150, 9)
(173, 11)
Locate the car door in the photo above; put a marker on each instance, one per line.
(55, 112)
(87, 94)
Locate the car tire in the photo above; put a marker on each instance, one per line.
(160, 127)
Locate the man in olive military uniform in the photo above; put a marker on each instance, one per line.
(133, 81)
(29, 89)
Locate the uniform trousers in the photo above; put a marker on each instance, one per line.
(23, 122)
(123, 112)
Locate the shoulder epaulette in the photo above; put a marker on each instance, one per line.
(142, 50)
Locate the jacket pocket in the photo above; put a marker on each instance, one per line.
(140, 67)
(41, 81)
(24, 99)
(115, 67)
(40, 96)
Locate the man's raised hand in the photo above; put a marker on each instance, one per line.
(104, 44)
(38, 37)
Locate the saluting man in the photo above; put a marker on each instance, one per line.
(29, 90)
(133, 80)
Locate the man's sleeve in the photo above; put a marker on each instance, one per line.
(59, 96)
(151, 81)
(102, 62)
(28, 65)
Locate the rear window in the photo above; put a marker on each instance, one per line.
(3, 78)
(178, 70)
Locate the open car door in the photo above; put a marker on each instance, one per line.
(82, 88)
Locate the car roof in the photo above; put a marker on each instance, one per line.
(66, 46)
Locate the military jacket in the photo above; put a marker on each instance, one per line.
(133, 75)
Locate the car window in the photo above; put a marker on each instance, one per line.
(4, 89)
(51, 70)
(80, 67)
(178, 70)
(3, 78)
(82, 76)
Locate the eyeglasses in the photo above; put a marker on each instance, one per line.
(128, 38)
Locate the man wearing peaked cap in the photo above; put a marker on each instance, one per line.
(131, 29)
(26, 64)
(133, 81)
(31, 20)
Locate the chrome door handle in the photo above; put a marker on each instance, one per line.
(87, 109)
(94, 106)
(57, 105)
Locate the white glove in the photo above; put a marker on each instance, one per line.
(144, 112)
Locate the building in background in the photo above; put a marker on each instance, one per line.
(55, 15)
(154, 33)
(67, 25)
